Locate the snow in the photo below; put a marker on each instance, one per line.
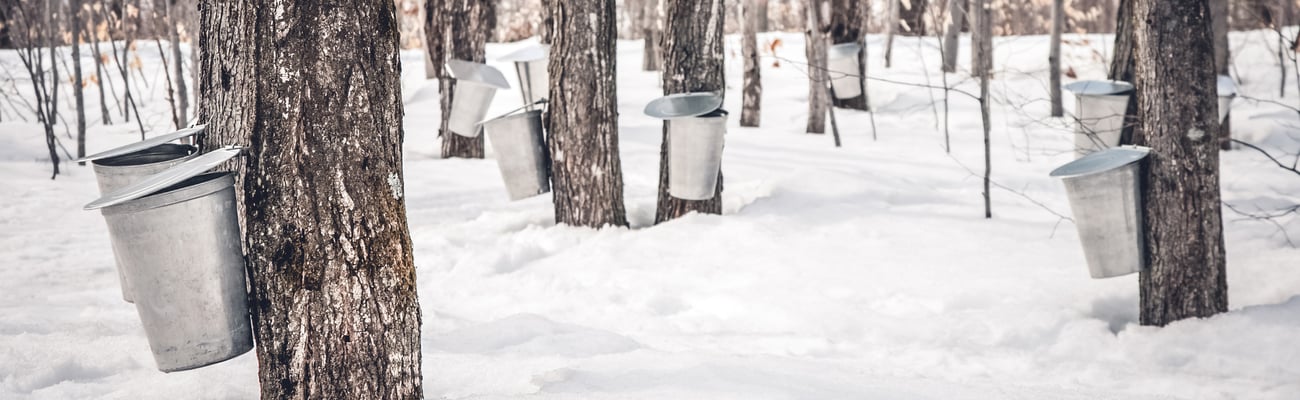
(866, 271)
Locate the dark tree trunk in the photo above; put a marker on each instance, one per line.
(547, 28)
(693, 62)
(752, 95)
(848, 24)
(587, 179)
(78, 92)
(818, 76)
(760, 11)
(1054, 57)
(651, 19)
(952, 35)
(911, 17)
(464, 27)
(1219, 20)
(124, 63)
(332, 277)
(51, 41)
(178, 67)
(100, 71)
(981, 38)
(1186, 274)
(1121, 65)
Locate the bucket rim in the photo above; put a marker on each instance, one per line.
(511, 116)
(842, 50)
(1226, 86)
(146, 144)
(165, 179)
(116, 164)
(1099, 88)
(189, 189)
(1102, 161)
(479, 73)
(527, 54)
(683, 105)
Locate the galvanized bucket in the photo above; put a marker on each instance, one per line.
(530, 65)
(1106, 199)
(842, 60)
(1227, 91)
(1099, 108)
(476, 85)
(121, 166)
(521, 153)
(181, 244)
(695, 155)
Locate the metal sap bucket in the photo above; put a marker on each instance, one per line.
(530, 65)
(476, 85)
(1227, 91)
(842, 62)
(696, 130)
(1099, 108)
(521, 153)
(1106, 200)
(122, 166)
(181, 245)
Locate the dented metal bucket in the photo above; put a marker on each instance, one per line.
(521, 153)
(130, 164)
(695, 155)
(1106, 200)
(180, 239)
(842, 63)
(1099, 108)
(530, 65)
(476, 85)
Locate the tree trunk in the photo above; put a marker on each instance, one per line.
(952, 35)
(848, 25)
(332, 278)
(693, 62)
(911, 17)
(1186, 274)
(178, 74)
(464, 27)
(125, 65)
(981, 38)
(1121, 65)
(818, 76)
(760, 12)
(100, 70)
(51, 41)
(1054, 58)
(988, 150)
(891, 28)
(547, 27)
(752, 95)
(1219, 21)
(587, 179)
(78, 92)
(650, 54)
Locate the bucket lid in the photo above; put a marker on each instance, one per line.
(478, 73)
(146, 144)
(842, 50)
(167, 178)
(1102, 161)
(683, 105)
(1227, 88)
(1099, 88)
(527, 54)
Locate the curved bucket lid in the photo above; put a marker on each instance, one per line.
(842, 50)
(1099, 88)
(1102, 161)
(531, 53)
(478, 73)
(146, 144)
(1227, 88)
(683, 105)
(167, 178)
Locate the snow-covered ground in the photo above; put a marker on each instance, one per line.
(862, 272)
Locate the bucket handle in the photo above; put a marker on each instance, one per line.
(511, 112)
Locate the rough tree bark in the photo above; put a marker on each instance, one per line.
(752, 94)
(981, 55)
(1121, 65)
(462, 27)
(651, 19)
(911, 17)
(1054, 57)
(547, 27)
(587, 178)
(848, 24)
(332, 279)
(952, 35)
(78, 92)
(818, 76)
(1222, 54)
(1186, 274)
(693, 62)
